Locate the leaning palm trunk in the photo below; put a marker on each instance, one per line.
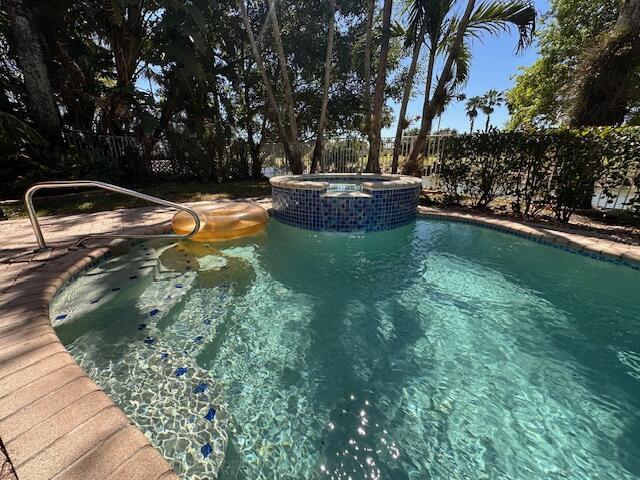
(26, 44)
(433, 51)
(268, 88)
(373, 163)
(296, 152)
(434, 105)
(319, 146)
(406, 94)
(367, 69)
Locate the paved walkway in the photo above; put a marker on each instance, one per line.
(55, 422)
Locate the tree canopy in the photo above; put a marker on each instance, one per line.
(543, 93)
(157, 68)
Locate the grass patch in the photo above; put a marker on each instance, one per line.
(99, 201)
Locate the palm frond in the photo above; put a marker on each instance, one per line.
(472, 105)
(499, 16)
(398, 31)
(432, 14)
(462, 65)
(18, 131)
(410, 36)
(115, 9)
(490, 100)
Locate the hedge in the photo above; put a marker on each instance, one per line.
(553, 169)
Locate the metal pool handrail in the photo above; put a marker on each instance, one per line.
(28, 200)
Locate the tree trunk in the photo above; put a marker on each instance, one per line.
(251, 145)
(75, 91)
(297, 167)
(295, 162)
(473, 120)
(256, 161)
(26, 43)
(433, 51)
(434, 105)
(367, 68)
(486, 127)
(126, 38)
(406, 94)
(149, 141)
(603, 93)
(269, 89)
(317, 149)
(373, 163)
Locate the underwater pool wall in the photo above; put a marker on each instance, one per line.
(384, 202)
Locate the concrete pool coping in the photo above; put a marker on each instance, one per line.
(369, 181)
(55, 421)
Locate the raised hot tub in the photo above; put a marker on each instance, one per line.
(345, 202)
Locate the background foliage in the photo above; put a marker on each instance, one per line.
(177, 74)
(555, 169)
(568, 32)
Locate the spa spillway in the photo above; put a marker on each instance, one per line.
(345, 202)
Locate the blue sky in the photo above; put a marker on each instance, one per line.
(493, 65)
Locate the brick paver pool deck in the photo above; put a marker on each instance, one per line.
(55, 422)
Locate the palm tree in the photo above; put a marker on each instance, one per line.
(489, 102)
(471, 109)
(453, 41)
(126, 30)
(296, 151)
(487, 17)
(431, 15)
(25, 40)
(367, 68)
(414, 37)
(373, 164)
(291, 146)
(317, 149)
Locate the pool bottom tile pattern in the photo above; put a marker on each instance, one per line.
(177, 404)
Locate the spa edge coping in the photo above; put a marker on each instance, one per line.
(57, 423)
(370, 181)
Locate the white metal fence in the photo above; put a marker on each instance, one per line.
(618, 198)
(349, 155)
(117, 147)
(116, 144)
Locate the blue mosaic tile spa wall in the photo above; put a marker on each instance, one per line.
(371, 210)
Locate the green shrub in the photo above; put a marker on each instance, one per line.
(92, 164)
(25, 156)
(554, 169)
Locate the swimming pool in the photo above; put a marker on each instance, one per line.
(437, 350)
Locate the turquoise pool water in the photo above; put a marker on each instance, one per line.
(344, 187)
(435, 351)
